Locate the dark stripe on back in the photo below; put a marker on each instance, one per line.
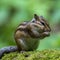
(29, 32)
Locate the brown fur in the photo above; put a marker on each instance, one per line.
(31, 31)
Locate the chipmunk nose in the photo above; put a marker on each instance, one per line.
(48, 29)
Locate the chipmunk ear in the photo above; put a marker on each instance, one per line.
(36, 16)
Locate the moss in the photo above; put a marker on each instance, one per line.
(34, 55)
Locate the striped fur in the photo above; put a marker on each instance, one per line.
(28, 34)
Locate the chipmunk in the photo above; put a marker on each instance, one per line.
(28, 34)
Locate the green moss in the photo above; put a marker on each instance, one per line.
(34, 55)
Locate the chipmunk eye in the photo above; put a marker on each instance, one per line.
(42, 23)
(33, 21)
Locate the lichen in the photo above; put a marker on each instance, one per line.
(49, 54)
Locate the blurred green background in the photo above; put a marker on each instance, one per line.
(13, 12)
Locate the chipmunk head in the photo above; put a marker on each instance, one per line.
(40, 26)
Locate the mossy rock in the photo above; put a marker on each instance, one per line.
(33, 55)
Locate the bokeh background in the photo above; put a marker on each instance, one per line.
(13, 12)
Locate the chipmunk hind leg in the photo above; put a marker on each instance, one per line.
(22, 46)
